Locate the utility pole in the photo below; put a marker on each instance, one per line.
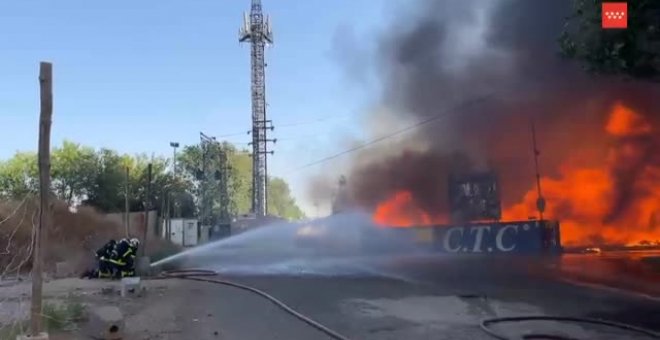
(147, 205)
(220, 174)
(168, 221)
(45, 121)
(174, 145)
(258, 32)
(223, 182)
(205, 143)
(540, 201)
(176, 211)
(127, 213)
(262, 153)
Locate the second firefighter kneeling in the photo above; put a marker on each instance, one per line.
(117, 259)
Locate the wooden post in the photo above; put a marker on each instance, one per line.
(168, 228)
(127, 213)
(147, 204)
(45, 116)
(160, 225)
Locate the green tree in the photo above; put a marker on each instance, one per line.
(239, 181)
(633, 51)
(241, 170)
(211, 173)
(98, 179)
(19, 175)
(73, 171)
(107, 191)
(166, 188)
(280, 201)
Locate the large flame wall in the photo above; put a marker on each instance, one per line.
(614, 202)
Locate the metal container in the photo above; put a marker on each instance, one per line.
(532, 237)
(183, 231)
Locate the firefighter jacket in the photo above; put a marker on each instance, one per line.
(124, 254)
(106, 251)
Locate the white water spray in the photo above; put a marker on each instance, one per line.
(329, 246)
(254, 238)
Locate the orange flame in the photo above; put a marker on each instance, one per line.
(400, 210)
(581, 198)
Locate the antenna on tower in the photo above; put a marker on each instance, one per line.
(258, 32)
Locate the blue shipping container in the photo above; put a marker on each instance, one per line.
(530, 236)
(498, 237)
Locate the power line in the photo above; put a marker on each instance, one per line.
(433, 118)
(308, 122)
(291, 124)
(242, 133)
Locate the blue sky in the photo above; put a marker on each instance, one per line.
(161, 70)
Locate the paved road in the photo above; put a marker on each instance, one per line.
(442, 297)
(385, 297)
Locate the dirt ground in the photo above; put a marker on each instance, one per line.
(169, 309)
(360, 308)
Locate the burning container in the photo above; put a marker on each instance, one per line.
(474, 197)
(531, 236)
(517, 237)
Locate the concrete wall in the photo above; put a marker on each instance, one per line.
(136, 223)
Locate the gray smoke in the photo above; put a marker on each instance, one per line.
(451, 52)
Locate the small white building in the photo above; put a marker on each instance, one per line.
(182, 231)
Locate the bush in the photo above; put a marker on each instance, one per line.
(63, 316)
(73, 237)
(56, 317)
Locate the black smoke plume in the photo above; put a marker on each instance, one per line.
(451, 52)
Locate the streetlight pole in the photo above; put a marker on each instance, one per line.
(174, 145)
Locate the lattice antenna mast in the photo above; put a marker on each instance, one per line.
(257, 31)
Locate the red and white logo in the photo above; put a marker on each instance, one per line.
(615, 15)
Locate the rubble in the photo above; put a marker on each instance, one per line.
(105, 323)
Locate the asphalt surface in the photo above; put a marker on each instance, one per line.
(382, 297)
(434, 296)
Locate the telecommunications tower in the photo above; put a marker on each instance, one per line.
(258, 32)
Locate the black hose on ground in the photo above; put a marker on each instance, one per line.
(204, 276)
(485, 326)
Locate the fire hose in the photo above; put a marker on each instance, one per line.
(204, 276)
(485, 326)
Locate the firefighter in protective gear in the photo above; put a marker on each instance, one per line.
(104, 267)
(134, 244)
(124, 257)
(103, 256)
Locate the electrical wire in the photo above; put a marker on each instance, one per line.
(485, 326)
(286, 125)
(309, 122)
(203, 276)
(517, 86)
(431, 119)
